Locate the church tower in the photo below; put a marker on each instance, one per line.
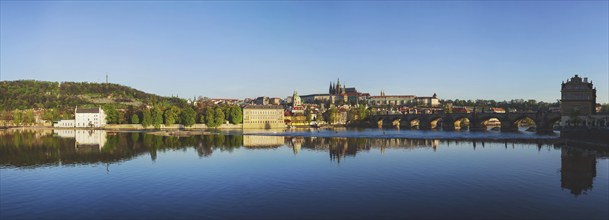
(296, 101)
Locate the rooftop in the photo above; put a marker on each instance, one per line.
(263, 107)
(87, 110)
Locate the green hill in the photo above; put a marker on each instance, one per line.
(27, 94)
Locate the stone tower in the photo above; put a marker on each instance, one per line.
(577, 97)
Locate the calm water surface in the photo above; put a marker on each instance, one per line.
(336, 174)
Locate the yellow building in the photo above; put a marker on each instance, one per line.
(263, 116)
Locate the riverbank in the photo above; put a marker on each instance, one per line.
(134, 127)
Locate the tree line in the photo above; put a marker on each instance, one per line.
(166, 114)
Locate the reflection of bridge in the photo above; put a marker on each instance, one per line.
(544, 121)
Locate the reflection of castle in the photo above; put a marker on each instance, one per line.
(340, 147)
(262, 141)
(577, 169)
(85, 138)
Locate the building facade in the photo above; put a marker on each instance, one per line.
(428, 101)
(396, 100)
(89, 117)
(577, 97)
(263, 116)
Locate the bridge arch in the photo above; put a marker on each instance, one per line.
(488, 122)
(435, 122)
(414, 122)
(524, 121)
(461, 123)
(396, 121)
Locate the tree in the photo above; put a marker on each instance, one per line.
(51, 114)
(331, 114)
(147, 118)
(362, 112)
(210, 117)
(157, 117)
(188, 117)
(29, 117)
(319, 118)
(605, 108)
(122, 117)
(236, 116)
(352, 115)
(135, 119)
(219, 116)
(308, 114)
(111, 114)
(18, 117)
(171, 115)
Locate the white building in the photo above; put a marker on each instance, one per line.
(89, 117)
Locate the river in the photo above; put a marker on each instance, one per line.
(301, 174)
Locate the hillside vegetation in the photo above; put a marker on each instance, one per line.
(28, 94)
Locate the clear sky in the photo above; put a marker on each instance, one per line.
(466, 50)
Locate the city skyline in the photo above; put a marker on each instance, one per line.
(459, 50)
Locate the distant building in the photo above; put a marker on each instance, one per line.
(262, 100)
(577, 97)
(89, 117)
(313, 98)
(395, 100)
(461, 109)
(297, 108)
(84, 118)
(263, 116)
(218, 101)
(428, 101)
(497, 110)
(275, 101)
(296, 101)
(337, 94)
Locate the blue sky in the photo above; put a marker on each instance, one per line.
(465, 50)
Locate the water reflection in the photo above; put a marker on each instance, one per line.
(253, 141)
(34, 148)
(577, 169)
(85, 139)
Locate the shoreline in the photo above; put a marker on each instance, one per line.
(285, 132)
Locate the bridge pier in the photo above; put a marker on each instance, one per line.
(424, 124)
(476, 125)
(448, 126)
(544, 128)
(508, 126)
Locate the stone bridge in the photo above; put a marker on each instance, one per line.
(544, 121)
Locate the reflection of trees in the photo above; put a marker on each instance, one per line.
(29, 148)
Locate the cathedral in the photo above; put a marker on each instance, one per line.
(337, 89)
